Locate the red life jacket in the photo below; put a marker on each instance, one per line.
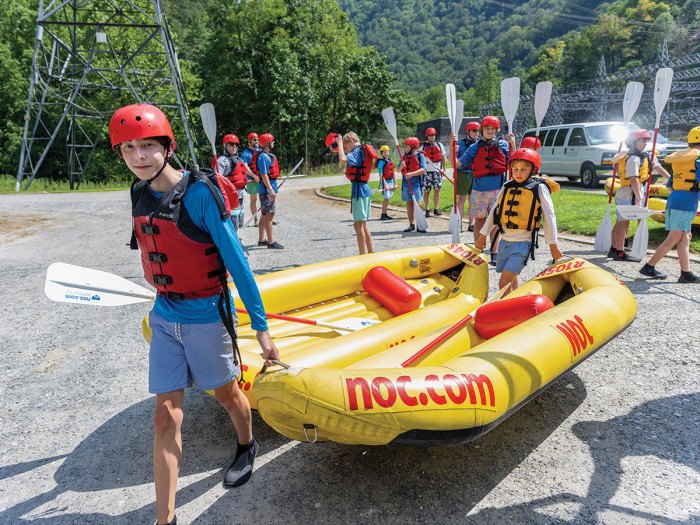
(362, 172)
(411, 163)
(388, 170)
(274, 172)
(179, 260)
(237, 176)
(432, 151)
(489, 160)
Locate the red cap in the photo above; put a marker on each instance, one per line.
(139, 121)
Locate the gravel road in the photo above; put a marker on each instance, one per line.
(615, 441)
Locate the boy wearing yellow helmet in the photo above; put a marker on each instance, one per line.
(681, 207)
(385, 167)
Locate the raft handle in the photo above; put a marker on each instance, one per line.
(309, 426)
(276, 362)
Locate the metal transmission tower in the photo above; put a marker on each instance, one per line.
(90, 57)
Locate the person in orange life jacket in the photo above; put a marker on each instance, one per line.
(681, 209)
(385, 167)
(432, 178)
(191, 342)
(360, 159)
(488, 160)
(237, 171)
(464, 178)
(269, 170)
(252, 186)
(520, 205)
(412, 167)
(634, 169)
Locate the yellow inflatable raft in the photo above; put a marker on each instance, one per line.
(660, 204)
(450, 280)
(655, 190)
(357, 389)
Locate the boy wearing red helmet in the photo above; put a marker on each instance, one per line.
(269, 170)
(252, 186)
(521, 206)
(187, 242)
(464, 178)
(432, 179)
(488, 160)
(634, 168)
(412, 167)
(237, 171)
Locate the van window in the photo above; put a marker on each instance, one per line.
(550, 137)
(577, 137)
(529, 134)
(561, 136)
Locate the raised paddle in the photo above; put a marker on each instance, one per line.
(451, 330)
(543, 93)
(455, 224)
(459, 117)
(510, 99)
(67, 283)
(630, 103)
(390, 123)
(662, 90)
(208, 115)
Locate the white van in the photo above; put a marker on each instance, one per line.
(585, 150)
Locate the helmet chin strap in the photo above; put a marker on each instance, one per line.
(165, 163)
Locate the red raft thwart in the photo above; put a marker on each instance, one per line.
(495, 318)
(391, 290)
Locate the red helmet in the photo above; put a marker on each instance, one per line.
(266, 138)
(139, 121)
(529, 155)
(412, 141)
(637, 134)
(473, 125)
(252, 135)
(430, 131)
(231, 138)
(531, 142)
(330, 141)
(491, 121)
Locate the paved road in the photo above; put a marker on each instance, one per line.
(614, 441)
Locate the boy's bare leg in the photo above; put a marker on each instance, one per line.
(436, 199)
(167, 451)
(268, 227)
(478, 224)
(236, 404)
(673, 238)
(261, 228)
(410, 211)
(494, 240)
(426, 199)
(508, 278)
(684, 251)
(619, 232)
(360, 234)
(368, 238)
(385, 206)
(253, 203)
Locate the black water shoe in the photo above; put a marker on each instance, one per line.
(242, 467)
(688, 277)
(650, 271)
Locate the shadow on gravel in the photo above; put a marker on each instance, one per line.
(665, 428)
(322, 483)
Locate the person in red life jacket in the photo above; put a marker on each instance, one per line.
(387, 181)
(187, 242)
(360, 159)
(634, 169)
(252, 186)
(434, 151)
(488, 160)
(523, 203)
(464, 178)
(269, 170)
(412, 167)
(237, 171)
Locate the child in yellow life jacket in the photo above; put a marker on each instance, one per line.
(523, 204)
(385, 167)
(681, 208)
(634, 168)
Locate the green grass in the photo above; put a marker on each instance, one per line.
(7, 185)
(577, 212)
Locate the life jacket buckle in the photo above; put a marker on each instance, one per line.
(175, 296)
(156, 257)
(150, 229)
(162, 280)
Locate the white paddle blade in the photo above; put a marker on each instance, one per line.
(641, 240)
(543, 94)
(455, 224)
(633, 95)
(510, 99)
(662, 90)
(208, 115)
(603, 237)
(390, 122)
(421, 221)
(460, 116)
(67, 283)
(451, 98)
(629, 212)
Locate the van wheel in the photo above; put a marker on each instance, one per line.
(589, 178)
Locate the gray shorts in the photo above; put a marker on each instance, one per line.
(267, 205)
(189, 354)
